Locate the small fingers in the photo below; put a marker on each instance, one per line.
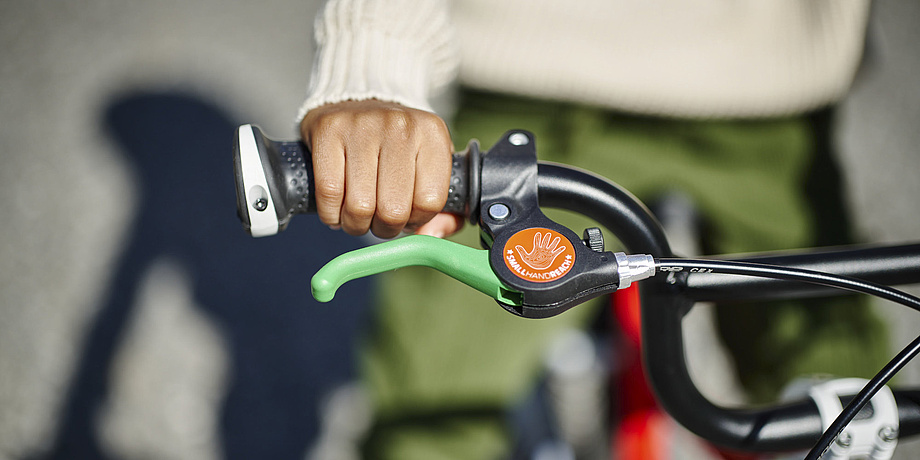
(432, 178)
(395, 178)
(344, 149)
(360, 201)
(328, 151)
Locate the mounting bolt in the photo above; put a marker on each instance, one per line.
(260, 205)
(845, 440)
(499, 211)
(888, 434)
(519, 139)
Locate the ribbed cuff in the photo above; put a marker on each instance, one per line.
(360, 65)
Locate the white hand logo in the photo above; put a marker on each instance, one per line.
(543, 253)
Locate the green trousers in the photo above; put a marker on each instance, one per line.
(444, 362)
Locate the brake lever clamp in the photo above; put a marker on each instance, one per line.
(548, 263)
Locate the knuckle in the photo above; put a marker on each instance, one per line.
(432, 122)
(323, 120)
(367, 119)
(399, 123)
(337, 125)
(360, 209)
(392, 215)
(326, 131)
(430, 202)
(328, 190)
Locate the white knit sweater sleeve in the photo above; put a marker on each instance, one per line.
(394, 50)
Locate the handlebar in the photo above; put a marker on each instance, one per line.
(783, 427)
(274, 184)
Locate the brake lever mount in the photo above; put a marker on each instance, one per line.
(548, 263)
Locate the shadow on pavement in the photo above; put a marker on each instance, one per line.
(285, 349)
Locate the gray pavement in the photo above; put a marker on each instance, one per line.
(70, 198)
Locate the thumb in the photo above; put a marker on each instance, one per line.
(441, 226)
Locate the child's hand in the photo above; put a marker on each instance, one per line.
(379, 166)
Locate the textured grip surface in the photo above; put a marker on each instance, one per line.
(458, 193)
(294, 172)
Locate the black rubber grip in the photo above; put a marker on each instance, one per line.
(457, 193)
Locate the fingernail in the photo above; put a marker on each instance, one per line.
(335, 227)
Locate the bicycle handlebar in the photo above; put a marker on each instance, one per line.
(784, 427)
(274, 183)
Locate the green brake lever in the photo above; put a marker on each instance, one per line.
(465, 264)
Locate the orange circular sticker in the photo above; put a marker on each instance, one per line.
(539, 255)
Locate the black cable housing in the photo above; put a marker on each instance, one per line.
(789, 274)
(842, 282)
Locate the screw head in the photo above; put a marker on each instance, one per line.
(519, 139)
(844, 439)
(261, 204)
(499, 211)
(888, 434)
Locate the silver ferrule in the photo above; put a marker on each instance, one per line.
(635, 267)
